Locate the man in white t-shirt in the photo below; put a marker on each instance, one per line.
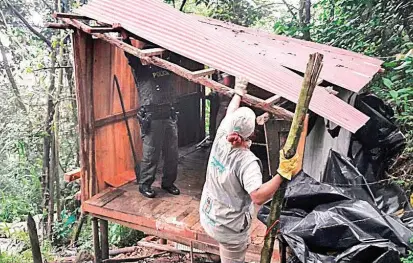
(234, 181)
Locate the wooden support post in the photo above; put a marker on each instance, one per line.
(191, 252)
(34, 240)
(276, 132)
(79, 226)
(104, 238)
(310, 80)
(96, 243)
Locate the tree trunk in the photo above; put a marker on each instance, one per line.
(310, 80)
(72, 95)
(52, 181)
(26, 23)
(9, 73)
(47, 171)
(304, 12)
(56, 130)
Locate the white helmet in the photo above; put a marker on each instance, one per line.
(243, 122)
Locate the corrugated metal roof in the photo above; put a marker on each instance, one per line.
(199, 41)
(343, 68)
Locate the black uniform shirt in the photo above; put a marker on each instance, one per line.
(154, 84)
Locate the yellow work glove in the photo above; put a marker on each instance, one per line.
(241, 86)
(288, 167)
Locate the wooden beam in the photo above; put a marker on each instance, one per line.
(103, 29)
(187, 74)
(203, 72)
(114, 118)
(58, 26)
(70, 15)
(274, 99)
(72, 175)
(152, 52)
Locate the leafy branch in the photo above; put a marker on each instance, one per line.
(9, 73)
(26, 23)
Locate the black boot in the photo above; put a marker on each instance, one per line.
(147, 191)
(171, 189)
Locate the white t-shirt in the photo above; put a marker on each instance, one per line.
(232, 174)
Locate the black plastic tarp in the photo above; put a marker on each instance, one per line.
(356, 214)
(325, 223)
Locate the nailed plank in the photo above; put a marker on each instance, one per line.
(276, 132)
(274, 99)
(70, 15)
(114, 118)
(152, 52)
(72, 175)
(203, 72)
(102, 193)
(102, 29)
(58, 26)
(191, 219)
(103, 200)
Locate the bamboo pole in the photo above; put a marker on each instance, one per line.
(312, 73)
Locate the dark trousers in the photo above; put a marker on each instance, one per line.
(161, 137)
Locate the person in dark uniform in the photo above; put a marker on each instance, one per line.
(158, 122)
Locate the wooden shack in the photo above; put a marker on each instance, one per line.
(271, 63)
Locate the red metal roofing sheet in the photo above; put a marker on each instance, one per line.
(187, 36)
(343, 68)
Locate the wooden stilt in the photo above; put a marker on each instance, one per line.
(192, 252)
(78, 229)
(34, 240)
(96, 243)
(104, 238)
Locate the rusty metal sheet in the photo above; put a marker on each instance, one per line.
(343, 68)
(201, 42)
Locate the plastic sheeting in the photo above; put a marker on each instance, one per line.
(326, 223)
(356, 214)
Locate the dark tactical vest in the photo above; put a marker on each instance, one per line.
(154, 85)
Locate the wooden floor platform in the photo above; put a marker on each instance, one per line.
(171, 217)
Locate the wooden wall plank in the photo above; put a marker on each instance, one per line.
(83, 47)
(114, 160)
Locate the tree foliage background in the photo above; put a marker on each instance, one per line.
(38, 137)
